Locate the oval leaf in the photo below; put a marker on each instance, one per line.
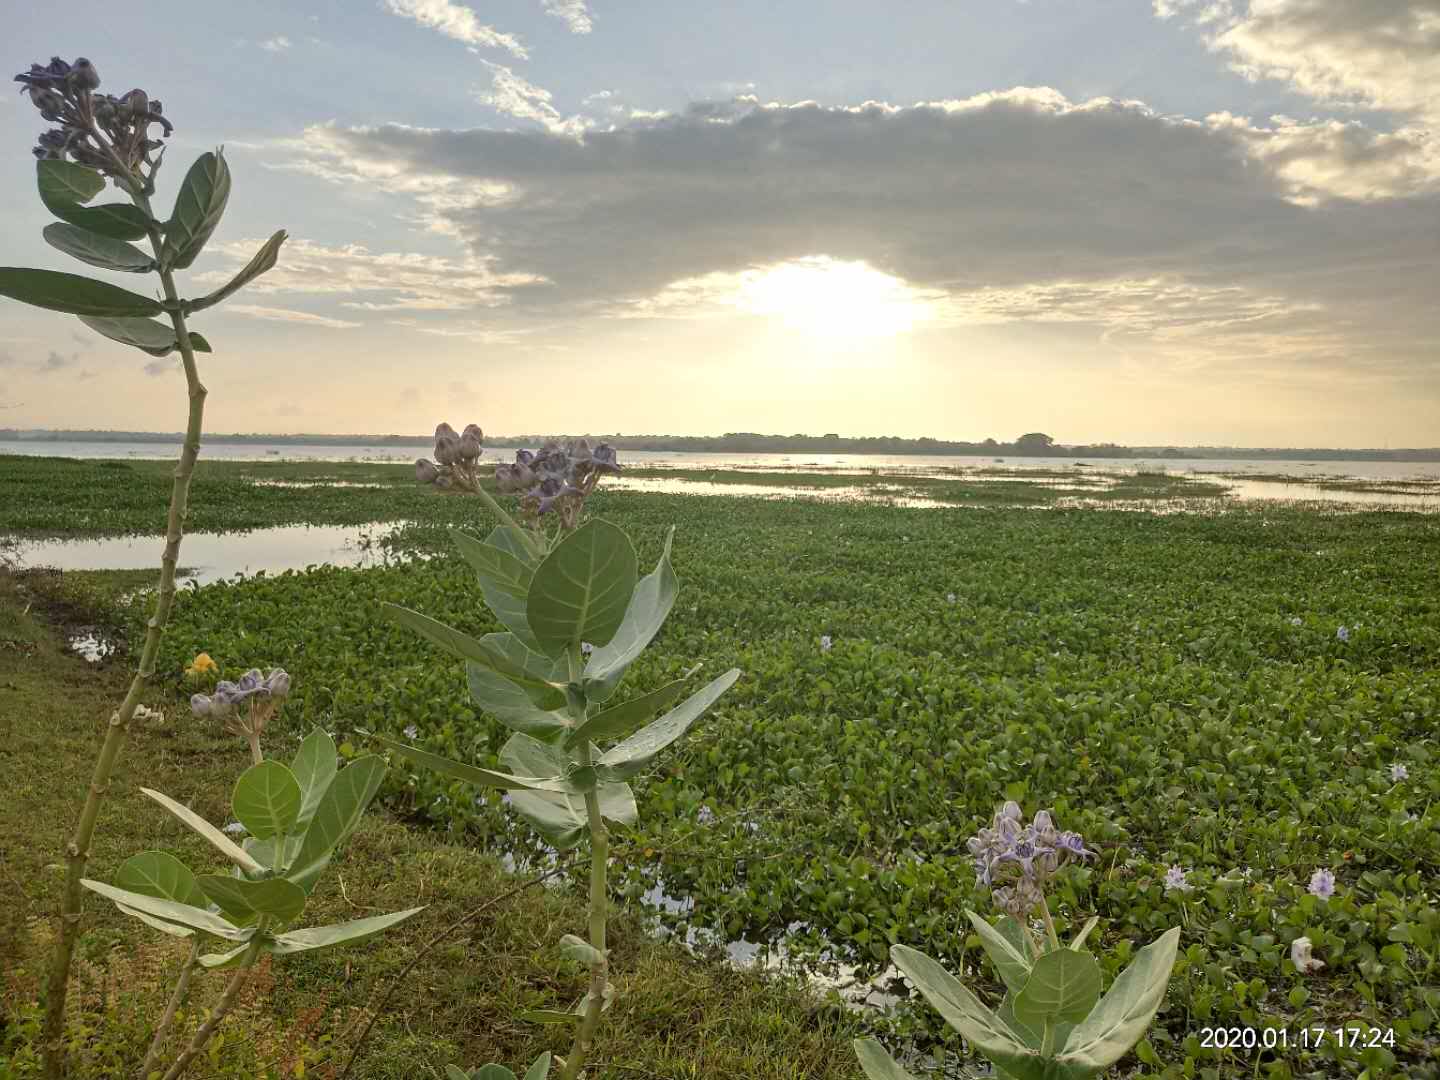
(158, 873)
(73, 294)
(1119, 1020)
(67, 182)
(169, 910)
(621, 720)
(582, 589)
(147, 335)
(322, 937)
(876, 1063)
(198, 209)
(649, 606)
(210, 833)
(635, 753)
(267, 799)
(1063, 987)
(1010, 962)
(91, 247)
(245, 901)
(473, 774)
(264, 259)
(513, 705)
(338, 813)
(64, 186)
(315, 766)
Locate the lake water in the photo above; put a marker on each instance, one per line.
(1373, 470)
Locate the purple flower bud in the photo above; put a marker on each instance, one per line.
(83, 75)
(445, 431)
(524, 457)
(138, 102)
(1074, 843)
(447, 449)
(1175, 880)
(472, 431)
(278, 683)
(469, 448)
(1322, 884)
(602, 458)
(251, 681)
(200, 705)
(425, 471)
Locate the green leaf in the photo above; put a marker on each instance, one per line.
(502, 653)
(513, 704)
(64, 186)
(547, 1016)
(267, 799)
(576, 948)
(264, 259)
(513, 540)
(563, 819)
(97, 249)
(158, 873)
(876, 1063)
(198, 209)
(620, 720)
(1012, 965)
(220, 961)
(635, 753)
(1084, 932)
(323, 937)
(452, 1073)
(492, 1072)
(245, 901)
(964, 1012)
(492, 561)
(314, 767)
(169, 910)
(210, 833)
(1122, 1015)
(338, 813)
(473, 774)
(173, 929)
(539, 1068)
(271, 853)
(650, 603)
(581, 590)
(73, 294)
(155, 338)
(1063, 987)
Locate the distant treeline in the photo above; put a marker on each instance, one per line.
(1034, 444)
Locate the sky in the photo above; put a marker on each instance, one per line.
(1139, 221)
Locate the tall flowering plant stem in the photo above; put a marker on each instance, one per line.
(98, 138)
(576, 614)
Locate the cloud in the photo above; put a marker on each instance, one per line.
(456, 21)
(374, 281)
(574, 13)
(514, 96)
(1384, 54)
(278, 43)
(160, 367)
(1006, 205)
(286, 315)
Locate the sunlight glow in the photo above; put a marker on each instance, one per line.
(832, 299)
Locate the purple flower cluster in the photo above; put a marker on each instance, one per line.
(230, 695)
(1021, 856)
(556, 477)
(456, 458)
(111, 134)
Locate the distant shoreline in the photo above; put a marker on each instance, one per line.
(749, 443)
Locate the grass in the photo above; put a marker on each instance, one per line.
(460, 1003)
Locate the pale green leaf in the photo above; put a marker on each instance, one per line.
(263, 260)
(323, 937)
(582, 589)
(620, 720)
(576, 948)
(1084, 932)
(635, 753)
(147, 335)
(1013, 965)
(73, 294)
(169, 910)
(245, 901)
(649, 605)
(210, 833)
(158, 873)
(539, 1068)
(876, 1063)
(267, 799)
(221, 961)
(1063, 987)
(473, 774)
(513, 540)
(96, 249)
(513, 704)
(198, 208)
(338, 813)
(64, 186)
(315, 765)
(1119, 1021)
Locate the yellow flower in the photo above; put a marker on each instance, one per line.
(202, 665)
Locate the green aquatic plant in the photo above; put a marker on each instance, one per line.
(295, 817)
(1053, 1023)
(577, 616)
(99, 138)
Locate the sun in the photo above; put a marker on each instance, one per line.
(832, 299)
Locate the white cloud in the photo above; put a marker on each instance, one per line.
(374, 281)
(278, 43)
(574, 13)
(286, 315)
(456, 21)
(513, 95)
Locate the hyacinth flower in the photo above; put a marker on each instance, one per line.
(1054, 1023)
(97, 140)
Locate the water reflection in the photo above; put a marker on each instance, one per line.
(213, 556)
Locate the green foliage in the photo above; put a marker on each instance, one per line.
(149, 336)
(199, 205)
(74, 294)
(581, 590)
(64, 189)
(263, 260)
(97, 249)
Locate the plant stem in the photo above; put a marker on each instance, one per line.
(495, 508)
(182, 985)
(1049, 924)
(223, 1006)
(599, 857)
(77, 852)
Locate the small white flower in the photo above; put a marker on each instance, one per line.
(705, 816)
(1342, 634)
(234, 828)
(825, 643)
(586, 648)
(1322, 884)
(1296, 621)
(1301, 958)
(1399, 772)
(950, 598)
(1175, 880)
(411, 732)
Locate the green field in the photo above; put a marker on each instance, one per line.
(1171, 684)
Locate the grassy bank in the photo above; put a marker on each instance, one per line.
(675, 1017)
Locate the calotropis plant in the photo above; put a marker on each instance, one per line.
(97, 138)
(295, 816)
(1053, 1023)
(576, 615)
